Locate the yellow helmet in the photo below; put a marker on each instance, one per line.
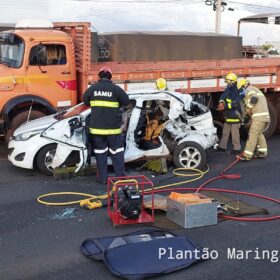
(242, 83)
(161, 84)
(231, 78)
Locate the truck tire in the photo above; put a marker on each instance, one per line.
(189, 154)
(21, 118)
(269, 129)
(44, 158)
(219, 125)
(278, 115)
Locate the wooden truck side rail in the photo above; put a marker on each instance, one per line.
(187, 76)
(195, 76)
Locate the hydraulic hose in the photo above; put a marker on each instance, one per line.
(89, 196)
(165, 188)
(235, 192)
(195, 172)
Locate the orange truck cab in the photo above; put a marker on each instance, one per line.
(37, 74)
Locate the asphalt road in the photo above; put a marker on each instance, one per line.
(37, 242)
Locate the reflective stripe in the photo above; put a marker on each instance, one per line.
(262, 149)
(260, 114)
(232, 120)
(248, 153)
(105, 131)
(258, 93)
(228, 100)
(229, 105)
(251, 92)
(100, 151)
(116, 151)
(101, 103)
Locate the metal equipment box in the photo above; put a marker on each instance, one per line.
(192, 215)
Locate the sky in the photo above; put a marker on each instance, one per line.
(150, 15)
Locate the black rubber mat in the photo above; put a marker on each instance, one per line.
(232, 207)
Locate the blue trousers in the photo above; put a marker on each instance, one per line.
(114, 145)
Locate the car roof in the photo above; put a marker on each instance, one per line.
(156, 94)
(150, 95)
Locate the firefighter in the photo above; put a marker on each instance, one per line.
(161, 84)
(105, 99)
(256, 108)
(229, 103)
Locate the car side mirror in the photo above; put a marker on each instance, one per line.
(74, 124)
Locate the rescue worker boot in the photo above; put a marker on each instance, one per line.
(260, 155)
(243, 158)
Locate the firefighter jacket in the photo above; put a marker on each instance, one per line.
(256, 104)
(105, 99)
(232, 99)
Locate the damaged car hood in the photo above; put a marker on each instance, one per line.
(41, 123)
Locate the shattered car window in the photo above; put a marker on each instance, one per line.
(75, 111)
(197, 109)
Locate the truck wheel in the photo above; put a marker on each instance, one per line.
(243, 131)
(21, 118)
(278, 115)
(270, 128)
(219, 125)
(45, 158)
(189, 155)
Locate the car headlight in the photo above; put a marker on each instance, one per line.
(27, 135)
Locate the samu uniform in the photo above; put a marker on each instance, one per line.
(256, 108)
(105, 100)
(232, 110)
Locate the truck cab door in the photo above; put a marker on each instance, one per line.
(51, 73)
(69, 134)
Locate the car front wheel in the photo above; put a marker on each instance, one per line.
(45, 158)
(189, 155)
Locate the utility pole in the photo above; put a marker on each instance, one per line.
(218, 16)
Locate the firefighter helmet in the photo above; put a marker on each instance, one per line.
(161, 84)
(231, 78)
(243, 83)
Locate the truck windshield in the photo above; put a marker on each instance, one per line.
(11, 50)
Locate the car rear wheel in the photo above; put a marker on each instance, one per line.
(189, 155)
(45, 158)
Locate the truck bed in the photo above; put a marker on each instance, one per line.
(194, 76)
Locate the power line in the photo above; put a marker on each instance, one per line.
(253, 5)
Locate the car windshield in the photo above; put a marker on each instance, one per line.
(75, 111)
(11, 50)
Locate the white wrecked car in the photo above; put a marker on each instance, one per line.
(155, 124)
